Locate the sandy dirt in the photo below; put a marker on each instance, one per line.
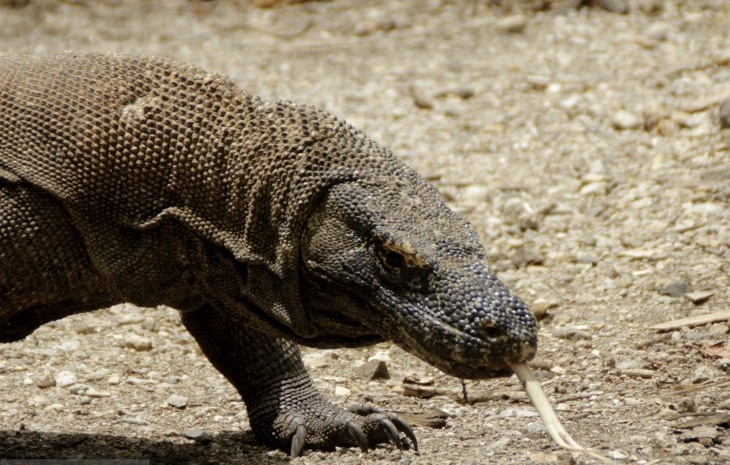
(586, 147)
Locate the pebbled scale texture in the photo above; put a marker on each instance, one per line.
(266, 224)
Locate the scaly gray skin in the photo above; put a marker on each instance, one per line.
(128, 179)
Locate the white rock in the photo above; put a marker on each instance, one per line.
(136, 342)
(513, 24)
(342, 391)
(380, 355)
(595, 188)
(70, 345)
(91, 392)
(658, 31)
(500, 443)
(177, 401)
(65, 378)
(626, 120)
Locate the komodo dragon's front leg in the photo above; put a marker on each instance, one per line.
(284, 407)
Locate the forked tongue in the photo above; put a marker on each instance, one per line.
(549, 419)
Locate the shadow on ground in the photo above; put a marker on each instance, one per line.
(225, 448)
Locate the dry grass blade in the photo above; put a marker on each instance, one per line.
(549, 419)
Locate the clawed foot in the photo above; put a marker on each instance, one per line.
(363, 426)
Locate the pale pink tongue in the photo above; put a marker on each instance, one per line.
(549, 419)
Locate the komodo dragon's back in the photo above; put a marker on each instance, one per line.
(133, 179)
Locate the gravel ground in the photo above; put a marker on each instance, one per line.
(586, 147)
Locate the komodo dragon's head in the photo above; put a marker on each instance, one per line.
(387, 259)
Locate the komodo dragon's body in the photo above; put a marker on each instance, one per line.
(128, 179)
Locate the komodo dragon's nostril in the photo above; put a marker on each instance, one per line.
(490, 330)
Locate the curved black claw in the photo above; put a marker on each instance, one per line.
(298, 441)
(392, 424)
(357, 435)
(392, 432)
(404, 428)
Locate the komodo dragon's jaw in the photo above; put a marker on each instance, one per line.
(393, 258)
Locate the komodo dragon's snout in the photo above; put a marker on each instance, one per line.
(389, 257)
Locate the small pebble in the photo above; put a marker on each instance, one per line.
(372, 370)
(723, 364)
(687, 405)
(114, 378)
(137, 342)
(541, 306)
(617, 455)
(177, 401)
(697, 335)
(171, 379)
(420, 100)
(383, 355)
(565, 458)
(46, 381)
(570, 333)
(78, 389)
(535, 428)
(702, 374)
(518, 413)
(512, 24)
(629, 363)
(198, 434)
(699, 432)
(91, 392)
(599, 188)
(638, 373)
(500, 443)
(65, 378)
(464, 92)
(674, 289)
(699, 296)
(373, 25)
(538, 82)
(658, 31)
(150, 324)
(342, 391)
(625, 120)
(544, 457)
(84, 327)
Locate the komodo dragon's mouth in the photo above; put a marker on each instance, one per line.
(448, 348)
(489, 359)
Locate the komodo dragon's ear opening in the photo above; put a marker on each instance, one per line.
(332, 247)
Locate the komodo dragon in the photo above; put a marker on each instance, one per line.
(266, 224)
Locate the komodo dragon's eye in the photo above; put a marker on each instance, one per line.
(393, 261)
(402, 266)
